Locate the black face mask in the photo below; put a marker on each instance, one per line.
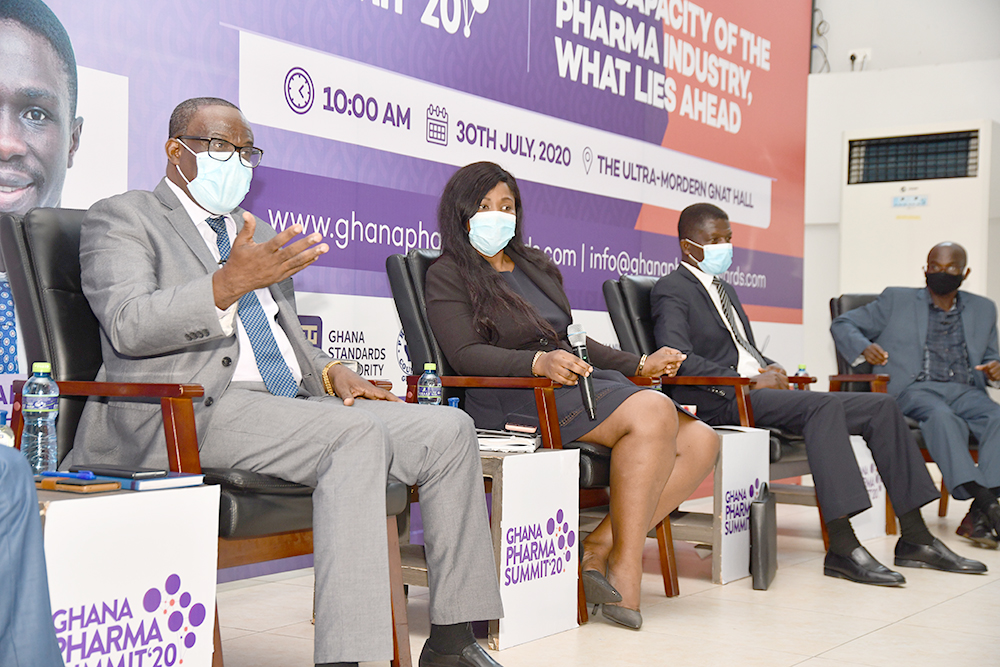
(943, 283)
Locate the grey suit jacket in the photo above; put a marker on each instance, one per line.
(147, 273)
(897, 321)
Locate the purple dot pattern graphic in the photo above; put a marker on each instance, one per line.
(565, 538)
(151, 600)
(167, 602)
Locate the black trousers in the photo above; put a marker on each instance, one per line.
(827, 420)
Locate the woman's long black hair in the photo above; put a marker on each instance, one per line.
(491, 297)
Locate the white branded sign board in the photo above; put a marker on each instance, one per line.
(742, 467)
(132, 575)
(540, 535)
(870, 523)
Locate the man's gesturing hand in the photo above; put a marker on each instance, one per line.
(254, 265)
(875, 355)
(991, 368)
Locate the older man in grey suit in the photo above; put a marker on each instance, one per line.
(939, 346)
(177, 302)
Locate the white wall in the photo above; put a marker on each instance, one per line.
(906, 33)
(955, 74)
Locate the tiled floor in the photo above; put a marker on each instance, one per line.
(804, 619)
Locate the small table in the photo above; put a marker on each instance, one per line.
(534, 503)
(132, 574)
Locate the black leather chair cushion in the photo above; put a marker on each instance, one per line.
(595, 464)
(252, 504)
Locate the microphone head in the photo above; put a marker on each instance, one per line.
(577, 335)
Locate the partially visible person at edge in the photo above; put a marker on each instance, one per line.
(497, 307)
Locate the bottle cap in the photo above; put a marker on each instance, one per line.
(430, 367)
(453, 401)
(41, 367)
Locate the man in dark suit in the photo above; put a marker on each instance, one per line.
(698, 313)
(943, 346)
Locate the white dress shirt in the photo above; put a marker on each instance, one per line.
(747, 365)
(246, 366)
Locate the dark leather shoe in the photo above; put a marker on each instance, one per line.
(976, 527)
(935, 555)
(861, 567)
(472, 655)
(597, 589)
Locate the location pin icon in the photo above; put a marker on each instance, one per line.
(588, 158)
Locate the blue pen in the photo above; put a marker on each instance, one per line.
(83, 474)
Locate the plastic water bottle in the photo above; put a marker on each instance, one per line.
(41, 407)
(802, 371)
(6, 435)
(429, 386)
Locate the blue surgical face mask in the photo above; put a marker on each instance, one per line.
(491, 231)
(718, 257)
(219, 186)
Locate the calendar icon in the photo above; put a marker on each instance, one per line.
(437, 125)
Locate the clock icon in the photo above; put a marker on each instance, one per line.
(299, 90)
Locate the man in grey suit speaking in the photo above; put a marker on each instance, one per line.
(939, 346)
(188, 287)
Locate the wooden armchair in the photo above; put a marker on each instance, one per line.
(406, 277)
(261, 517)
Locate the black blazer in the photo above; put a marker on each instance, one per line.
(685, 318)
(449, 311)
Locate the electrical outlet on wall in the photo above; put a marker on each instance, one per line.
(859, 59)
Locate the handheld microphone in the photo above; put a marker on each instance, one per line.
(578, 341)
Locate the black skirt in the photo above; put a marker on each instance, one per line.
(494, 408)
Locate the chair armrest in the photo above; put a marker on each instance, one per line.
(545, 401)
(801, 381)
(878, 382)
(740, 384)
(175, 404)
(645, 382)
(705, 380)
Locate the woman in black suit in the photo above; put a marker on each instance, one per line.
(497, 307)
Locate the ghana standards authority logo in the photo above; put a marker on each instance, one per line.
(299, 90)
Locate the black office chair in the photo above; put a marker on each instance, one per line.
(628, 302)
(406, 278)
(261, 517)
(863, 378)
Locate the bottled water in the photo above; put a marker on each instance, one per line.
(6, 435)
(802, 371)
(429, 386)
(41, 407)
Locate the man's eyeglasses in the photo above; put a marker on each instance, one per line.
(222, 150)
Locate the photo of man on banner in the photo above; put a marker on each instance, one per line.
(39, 129)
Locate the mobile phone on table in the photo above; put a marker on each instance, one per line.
(128, 472)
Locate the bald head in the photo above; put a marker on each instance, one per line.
(947, 256)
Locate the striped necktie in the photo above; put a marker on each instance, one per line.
(273, 368)
(727, 308)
